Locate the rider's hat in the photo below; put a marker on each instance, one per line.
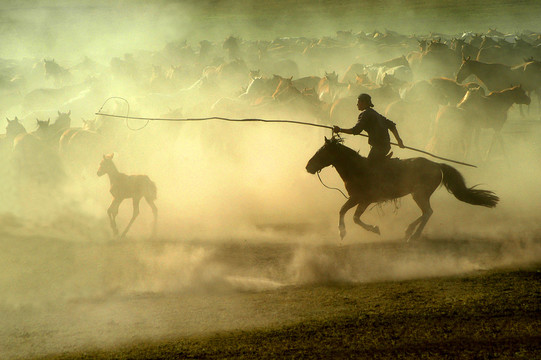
(366, 98)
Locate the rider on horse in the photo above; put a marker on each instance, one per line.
(377, 126)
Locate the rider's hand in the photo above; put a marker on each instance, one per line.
(401, 144)
(336, 129)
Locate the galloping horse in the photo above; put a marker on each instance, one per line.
(124, 187)
(367, 184)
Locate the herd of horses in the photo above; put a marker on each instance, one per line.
(441, 90)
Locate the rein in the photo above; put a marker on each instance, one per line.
(328, 187)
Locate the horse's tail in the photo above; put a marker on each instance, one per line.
(455, 184)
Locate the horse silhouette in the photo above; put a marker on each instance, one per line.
(125, 187)
(455, 124)
(367, 183)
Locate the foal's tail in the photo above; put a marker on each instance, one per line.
(455, 184)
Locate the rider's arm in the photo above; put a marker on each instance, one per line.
(394, 130)
(355, 130)
(351, 131)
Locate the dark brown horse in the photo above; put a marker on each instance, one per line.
(494, 76)
(393, 179)
(125, 187)
(497, 77)
(455, 125)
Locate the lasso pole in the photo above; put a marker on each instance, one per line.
(270, 121)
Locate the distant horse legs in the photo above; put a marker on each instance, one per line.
(423, 201)
(154, 212)
(497, 138)
(357, 218)
(134, 216)
(112, 212)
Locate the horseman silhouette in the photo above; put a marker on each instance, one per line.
(377, 126)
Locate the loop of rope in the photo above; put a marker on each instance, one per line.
(125, 117)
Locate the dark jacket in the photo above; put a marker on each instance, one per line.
(377, 126)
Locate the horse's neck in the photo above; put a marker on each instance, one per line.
(114, 175)
(13, 133)
(348, 164)
(486, 72)
(502, 99)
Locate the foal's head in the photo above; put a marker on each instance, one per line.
(106, 165)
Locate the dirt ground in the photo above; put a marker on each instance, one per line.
(281, 300)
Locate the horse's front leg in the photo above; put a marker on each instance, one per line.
(343, 210)
(357, 218)
(134, 216)
(112, 212)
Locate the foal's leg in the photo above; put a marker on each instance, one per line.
(351, 202)
(154, 213)
(134, 216)
(357, 218)
(423, 201)
(112, 212)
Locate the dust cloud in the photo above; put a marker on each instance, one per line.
(238, 213)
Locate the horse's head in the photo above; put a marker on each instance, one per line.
(106, 165)
(14, 127)
(63, 120)
(465, 69)
(42, 124)
(324, 157)
(89, 125)
(520, 96)
(332, 77)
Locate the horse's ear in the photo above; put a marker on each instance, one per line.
(8, 120)
(16, 118)
(326, 140)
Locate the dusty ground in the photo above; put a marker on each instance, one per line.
(273, 300)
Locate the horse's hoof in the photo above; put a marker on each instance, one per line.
(375, 229)
(342, 234)
(413, 237)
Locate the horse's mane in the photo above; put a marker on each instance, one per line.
(503, 91)
(348, 152)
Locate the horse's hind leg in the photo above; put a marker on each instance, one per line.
(357, 218)
(423, 201)
(154, 213)
(134, 216)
